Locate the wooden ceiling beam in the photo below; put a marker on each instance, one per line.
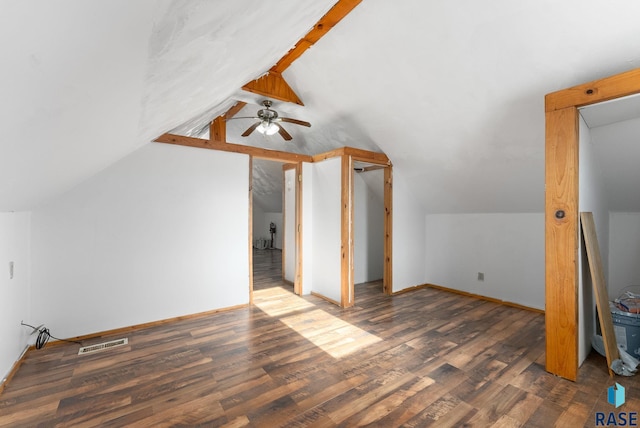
(218, 130)
(620, 85)
(235, 109)
(256, 152)
(358, 154)
(273, 85)
(322, 27)
(218, 127)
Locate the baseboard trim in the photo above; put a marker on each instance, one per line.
(14, 369)
(313, 293)
(114, 331)
(145, 325)
(410, 289)
(467, 294)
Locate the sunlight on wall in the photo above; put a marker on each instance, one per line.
(336, 337)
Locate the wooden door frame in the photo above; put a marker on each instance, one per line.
(562, 216)
(347, 233)
(297, 168)
(350, 154)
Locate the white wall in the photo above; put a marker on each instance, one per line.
(307, 227)
(14, 292)
(592, 198)
(624, 252)
(289, 227)
(161, 233)
(325, 239)
(408, 246)
(368, 213)
(507, 248)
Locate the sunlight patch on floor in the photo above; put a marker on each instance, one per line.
(336, 337)
(278, 301)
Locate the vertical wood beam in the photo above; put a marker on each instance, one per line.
(561, 243)
(251, 230)
(387, 278)
(218, 130)
(346, 217)
(285, 215)
(297, 284)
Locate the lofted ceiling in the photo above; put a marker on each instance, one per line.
(453, 92)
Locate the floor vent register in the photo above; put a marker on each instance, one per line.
(102, 346)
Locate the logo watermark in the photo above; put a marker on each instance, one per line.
(616, 397)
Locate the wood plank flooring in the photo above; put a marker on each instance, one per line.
(424, 358)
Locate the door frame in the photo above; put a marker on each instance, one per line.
(348, 286)
(297, 167)
(562, 216)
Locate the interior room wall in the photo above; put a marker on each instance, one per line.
(162, 233)
(14, 292)
(508, 248)
(307, 227)
(408, 244)
(592, 198)
(325, 223)
(289, 228)
(368, 212)
(624, 252)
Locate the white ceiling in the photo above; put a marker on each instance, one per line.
(453, 92)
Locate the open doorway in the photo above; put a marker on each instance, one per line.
(268, 214)
(562, 213)
(608, 177)
(368, 226)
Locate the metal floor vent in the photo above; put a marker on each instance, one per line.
(102, 346)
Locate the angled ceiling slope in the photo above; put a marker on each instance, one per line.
(451, 91)
(86, 84)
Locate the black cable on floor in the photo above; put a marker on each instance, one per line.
(44, 335)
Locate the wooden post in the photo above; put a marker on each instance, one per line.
(218, 130)
(347, 288)
(250, 230)
(561, 213)
(387, 277)
(561, 243)
(297, 285)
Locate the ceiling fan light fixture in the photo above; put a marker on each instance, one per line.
(267, 128)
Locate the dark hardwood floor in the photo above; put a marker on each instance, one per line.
(423, 358)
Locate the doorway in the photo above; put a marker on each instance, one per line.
(268, 225)
(368, 226)
(562, 211)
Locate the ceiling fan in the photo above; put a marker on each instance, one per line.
(269, 122)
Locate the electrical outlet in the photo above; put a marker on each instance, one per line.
(480, 276)
(10, 270)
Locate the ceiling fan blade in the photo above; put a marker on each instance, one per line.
(284, 133)
(250, 129)
(243, 117)
(296, 121)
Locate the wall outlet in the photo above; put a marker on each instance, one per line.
(480, 276)
(10, 270)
